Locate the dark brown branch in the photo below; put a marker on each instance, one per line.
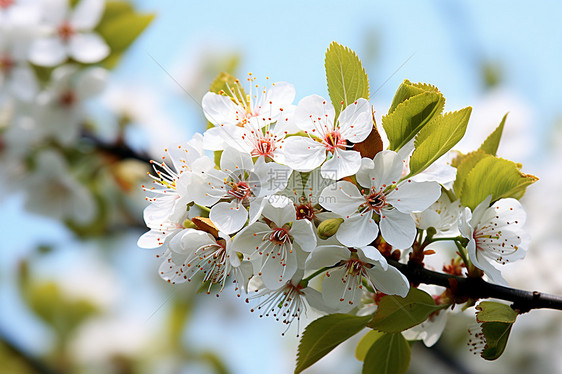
(477, 288)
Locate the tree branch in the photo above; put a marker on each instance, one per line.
(477, 288)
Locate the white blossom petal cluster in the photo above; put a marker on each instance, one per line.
(298, 219)
(49, 55)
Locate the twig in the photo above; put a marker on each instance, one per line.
(476, 288)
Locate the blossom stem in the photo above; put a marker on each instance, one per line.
(476, 288)
(203, 208)
(315, 274)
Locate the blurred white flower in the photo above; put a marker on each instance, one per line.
(53, 191)
(68, 33)
(60, 110)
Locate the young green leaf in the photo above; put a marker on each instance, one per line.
(365, 344)
(497, 177)
(492, 142)
(347, 80)
(324, 334)
(120, 29)
(437, 138)
(410, 116)
(390, 354)
(229, 85)
(408, 89)
(396, 314)
(464, 167)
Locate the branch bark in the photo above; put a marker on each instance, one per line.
(476, 288)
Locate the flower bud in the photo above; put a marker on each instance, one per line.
(329, 227)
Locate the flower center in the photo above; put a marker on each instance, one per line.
(6, 3)
(305, 211)
(240, 190)
(375, 201)
(67, 99)
(6, 62)
(264, 147)
(355, 267)
(334, 140)
(279, 236)
(66, 31)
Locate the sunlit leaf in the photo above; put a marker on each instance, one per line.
(324, 334)
(406, 118)
(390, 354)
(347, 80)
(492, 142)
(395, 314)
(494, 176)
(365, 344)
(437, 138)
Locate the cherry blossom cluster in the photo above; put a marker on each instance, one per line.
(48, 55)
(296, 217)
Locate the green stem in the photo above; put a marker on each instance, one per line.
(315, 274)
(204, 208)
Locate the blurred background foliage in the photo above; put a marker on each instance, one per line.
(78, 296)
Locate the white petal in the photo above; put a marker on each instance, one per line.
(342, 198)
(389, 281)
(54, 12)
(326, 255)
(87, 14)
(304, 154)
(479, 211)
(359, 230)
(271, 177)
(303, 233)
(387, 169)
(410, 196)
(276, 272)
(91, 82)
(228, 217)
(24, 83)
(482, 263)
(342, 164)
(335, 292)
(280, 210)
(397, 228)
(250, 238)
(364, 174)
(88, 48)
(233, 161)
(355, 121)
(49, 51)
(278, 97)
(189, 240)
(315, 300)
(372, 254)
(221, 110)
(313, 113)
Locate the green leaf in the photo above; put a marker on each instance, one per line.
(410, 116)
(396, 314)
(494, 176)
(347, 80)
(324, 334)
(229, 85)
(490, 145)
(408, 89)
(437, 138)
(390, 354)
(490, 311)
(496, 320)
(120, 29)
(496, 335)
(365, 344)
(465, 165)
(114, 9)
